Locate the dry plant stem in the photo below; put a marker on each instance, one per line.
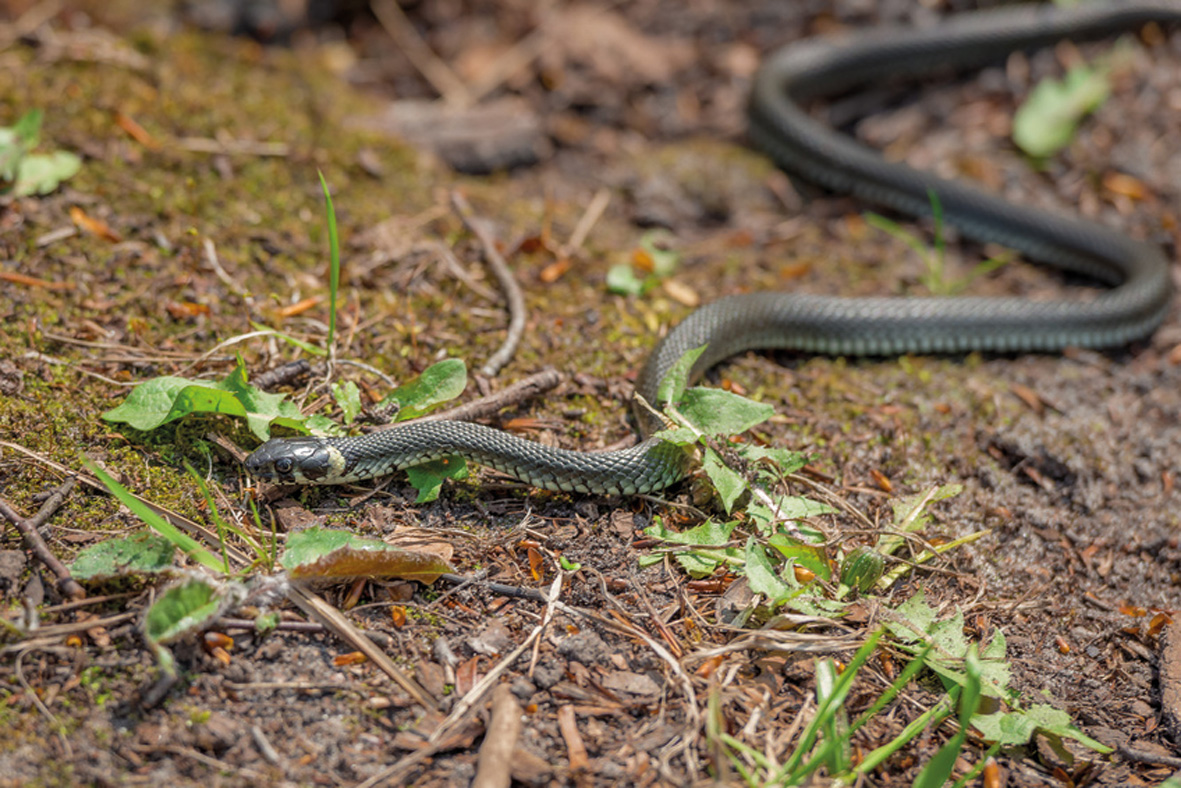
(512, 291)
(495, 764)
(521, 391)
(315, 607)
(575, 748)
(283, 374)
(434, 70)
(1140, 756)
(28, 528)
(226, 279)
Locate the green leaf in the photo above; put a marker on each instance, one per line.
(785, 460)
(671, 388)
(143, 553)
(761, 574)
(937, 771)
(437, 384)
(622, 280)
(348, 397)
(16, 141)
(729, 484)
(709, 533)
(41, 173)
(165, 399)
(568, 565)
(320, 554)
(717, 412)
(428, 477)
(186, 543)
(1046, 122)
(1015, 728)
(184, 607)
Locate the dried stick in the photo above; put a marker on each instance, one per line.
(512, 291)
(29, 529)
(517, 393)
(494, 766)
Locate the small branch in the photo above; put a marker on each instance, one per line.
(519, 392)
(33, 541)
(1141, 756)
(282, 374)
(512, 291)
(495, 764)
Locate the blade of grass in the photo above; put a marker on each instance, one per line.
(790, 771)
(934, 715)
(334, 262)
(189, 546)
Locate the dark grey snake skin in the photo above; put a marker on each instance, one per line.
(1131, 309)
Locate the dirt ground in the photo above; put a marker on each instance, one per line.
(192, 135)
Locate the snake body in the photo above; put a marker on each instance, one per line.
(1137, 273)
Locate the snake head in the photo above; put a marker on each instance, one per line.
(291, 461)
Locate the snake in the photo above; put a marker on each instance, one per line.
(1136, 273)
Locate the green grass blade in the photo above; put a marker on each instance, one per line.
(187, 544)
(933, 715)
(334, 258)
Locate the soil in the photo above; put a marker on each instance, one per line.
(190, 134)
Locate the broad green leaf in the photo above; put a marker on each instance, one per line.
(428, 477)
(186, 543)
(717, 412)
(181, 609)
(1048, 119)
(761, 574)
(710, 533)
(16, 141)
(790, 507)
(680, 436)
(437, 384)
(166, 399)
(321, 554)
(729, 483)
(143, 553)
(41, 173)
(671, 389)
(348, 397)
(1015, 728)
(785, 460)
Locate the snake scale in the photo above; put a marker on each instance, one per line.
(1137, 273)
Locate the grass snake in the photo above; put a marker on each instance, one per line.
(1137, 273)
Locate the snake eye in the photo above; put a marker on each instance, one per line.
(283, 465)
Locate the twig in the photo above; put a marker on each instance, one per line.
(515, 394)
(455, 268)
(284, 373)
(1141, 756)
(590, 217)
(494, 766)
(315, 607)
(226, 279)
(248, 147)
(434, 70)
(29, 529)
(515, 592)
(512, 291)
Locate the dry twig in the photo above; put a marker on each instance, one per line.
(29, 528)
(494, 767)
(508, 284)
